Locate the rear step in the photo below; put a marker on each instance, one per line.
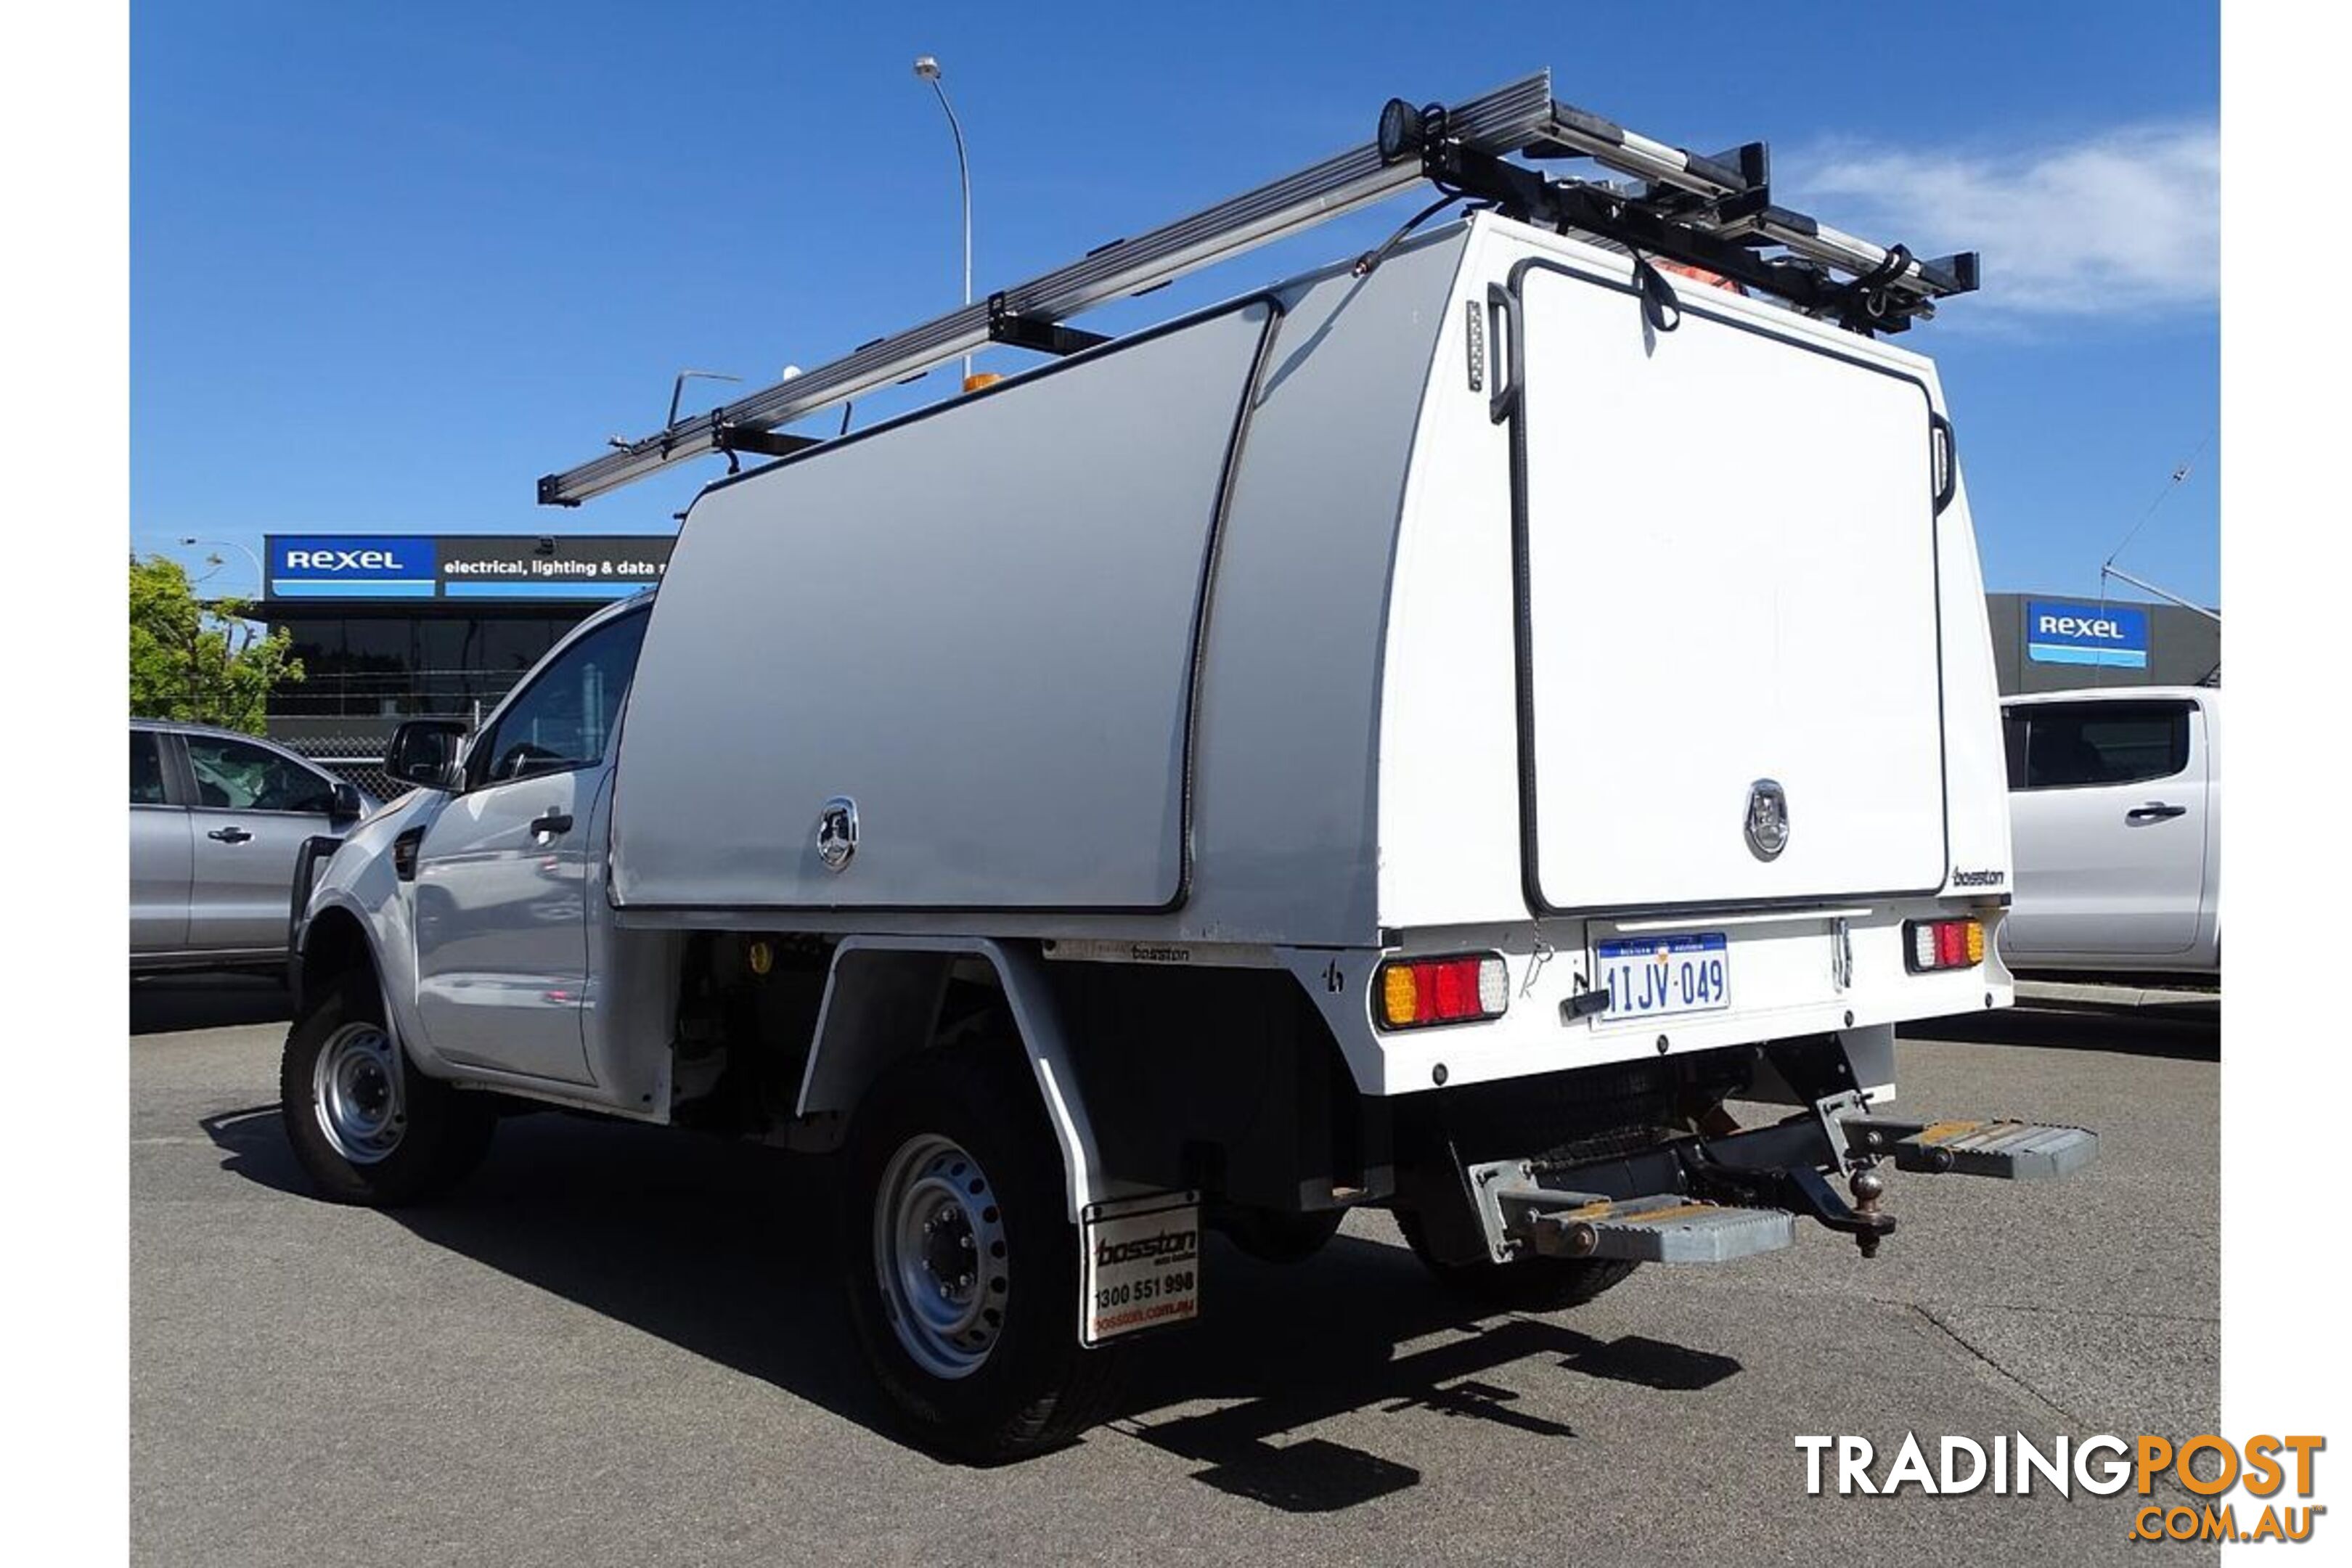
(1714, 1198)
(2007, 1151)
(1660, 1229)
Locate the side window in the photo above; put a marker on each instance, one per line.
(2012, 746)
(241, 776)
(146, 769)
(564, 718)
(2104, 744)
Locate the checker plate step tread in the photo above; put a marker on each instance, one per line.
(1663, 1229)
(2007, 1151)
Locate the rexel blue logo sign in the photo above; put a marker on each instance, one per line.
(367, 565)
(2115, 636)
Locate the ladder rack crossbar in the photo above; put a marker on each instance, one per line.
(1709, 205)
(1614, 147)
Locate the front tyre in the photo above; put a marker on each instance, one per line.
(367, 1127)
(961, 1262)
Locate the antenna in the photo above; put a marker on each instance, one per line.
(2111, 570)
(679, 387)
(2108, 568)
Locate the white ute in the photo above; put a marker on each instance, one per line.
(1424, 735)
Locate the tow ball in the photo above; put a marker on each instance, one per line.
(1868, 1188)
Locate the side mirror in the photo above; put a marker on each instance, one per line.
(424, 753)
(347, 803)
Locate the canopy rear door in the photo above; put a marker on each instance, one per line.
(1728, 586)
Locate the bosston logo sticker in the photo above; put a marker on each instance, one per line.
(1767, 819)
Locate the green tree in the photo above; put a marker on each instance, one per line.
(197, 660)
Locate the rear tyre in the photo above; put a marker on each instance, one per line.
(1524, 1285)
(366, 1126)
(961, 1263)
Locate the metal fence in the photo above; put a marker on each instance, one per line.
(391, 694)
(349, 757)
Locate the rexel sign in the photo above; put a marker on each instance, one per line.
(2112, 635)
(330, 565)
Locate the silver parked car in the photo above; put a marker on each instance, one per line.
(217, 819)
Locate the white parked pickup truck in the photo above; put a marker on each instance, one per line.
(1426, 736)
(2115, 812)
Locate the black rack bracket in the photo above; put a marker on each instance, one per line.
(1007, 325)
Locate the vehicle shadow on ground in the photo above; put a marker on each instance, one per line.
(727, 1251)
(2191, 1032)
(164, 1004)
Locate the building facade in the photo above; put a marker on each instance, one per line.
(2049, 642)
(391, 626)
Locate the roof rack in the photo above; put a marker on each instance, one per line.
(1714, 212)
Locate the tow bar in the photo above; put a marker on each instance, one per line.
(1711, 1199)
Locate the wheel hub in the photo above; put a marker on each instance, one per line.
(356, 1088)
(940, 1256)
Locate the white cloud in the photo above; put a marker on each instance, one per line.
(2125, 223)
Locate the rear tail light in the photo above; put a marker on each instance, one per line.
(1930, 945)
(1414, 993)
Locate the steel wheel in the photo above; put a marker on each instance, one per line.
(939, 1254)
(356, 1084)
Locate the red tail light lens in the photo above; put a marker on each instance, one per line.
(1412, 993)
(1931, 946)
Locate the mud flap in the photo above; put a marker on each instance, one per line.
(1139, 1265)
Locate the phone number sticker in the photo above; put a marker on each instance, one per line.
(1143, 1265)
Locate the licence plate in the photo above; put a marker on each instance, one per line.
(1141, 1265)
(1657, 976)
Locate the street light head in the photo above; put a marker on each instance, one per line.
(926, 67)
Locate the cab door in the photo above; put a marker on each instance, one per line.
(254, 806)
(160, 858)
(502, 872)
(2108, 813)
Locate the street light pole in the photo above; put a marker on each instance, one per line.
(260, 578)
(927, 68)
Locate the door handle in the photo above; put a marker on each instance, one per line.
(2154, 811)
(229, 835)
(550, 824)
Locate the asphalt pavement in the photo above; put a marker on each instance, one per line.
(625, 1345)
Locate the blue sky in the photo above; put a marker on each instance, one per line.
(391, 264)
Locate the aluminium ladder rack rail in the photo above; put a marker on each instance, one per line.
(1709, 210)
(1498, 120)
